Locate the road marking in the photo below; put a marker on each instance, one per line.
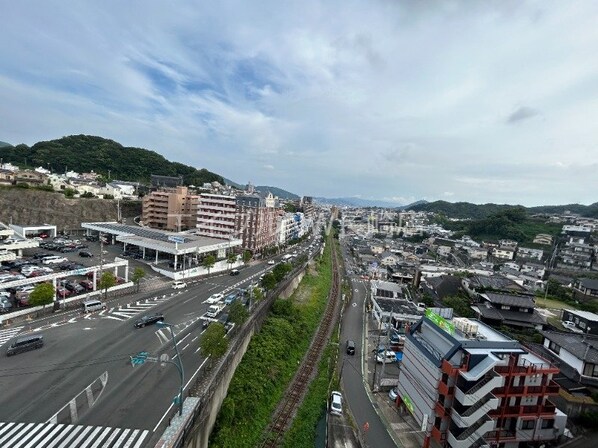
(194, 339)
(185, 347)
(8, 334)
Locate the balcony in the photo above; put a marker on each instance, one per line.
(444, 389)
(482, 388)
(508, 411)
(471, 437)
(474, 413)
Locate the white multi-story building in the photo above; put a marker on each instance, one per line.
(216, 215)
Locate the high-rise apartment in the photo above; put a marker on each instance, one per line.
(469, 386)
(216, 215)
(170, 209)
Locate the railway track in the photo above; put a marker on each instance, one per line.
(296, 390)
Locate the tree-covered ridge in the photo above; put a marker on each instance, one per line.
(512, 223)
(467, 210)
(84, 153)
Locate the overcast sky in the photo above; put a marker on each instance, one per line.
(493, 101)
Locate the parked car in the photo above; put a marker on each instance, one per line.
(85, 254)
(87, 284)
(336, 403)
(271, 262)
(62, 292)
(5, 304)
(148, 320)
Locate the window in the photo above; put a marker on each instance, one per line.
(527, 424)
(547, 424)
(590, 370)
(554, 347)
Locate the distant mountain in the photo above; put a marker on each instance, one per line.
(84, 153)
(413, 204)
(357, 202)
(233, 184)
(282, 194)
(467, 210)
(2, 144)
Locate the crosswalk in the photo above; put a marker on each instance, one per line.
(7, 334)
(165, 336)
(125, 312)
(50, 435)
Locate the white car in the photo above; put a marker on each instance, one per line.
(215, 298)
(179, 285)
(271, 262)
(336, 403)
(571, 326)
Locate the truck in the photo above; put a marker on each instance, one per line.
(214, 311)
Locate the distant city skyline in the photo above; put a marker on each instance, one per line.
(392, 101)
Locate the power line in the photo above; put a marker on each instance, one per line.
(62, 366)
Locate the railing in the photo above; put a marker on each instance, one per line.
(524, 410)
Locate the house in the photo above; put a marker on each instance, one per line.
(504, 253)
(584, 321)
(443, 286)
(578, 351)
(533, 269)
(478, 284)
(476, 253)
(509, 309)
(29, 177)
(543, 238)
(529, 253)
(7, 176)
(587, 286)
(388, 259)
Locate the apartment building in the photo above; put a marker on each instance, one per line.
(469, 386)
(255, 223)
(216, 215)
(170, 209)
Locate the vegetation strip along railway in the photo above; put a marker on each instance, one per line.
(296, 390)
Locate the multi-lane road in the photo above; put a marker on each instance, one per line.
(83, 374)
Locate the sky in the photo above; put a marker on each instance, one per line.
(493, 101)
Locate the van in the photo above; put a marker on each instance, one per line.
(386, 357)
(25, 343)
(93, 305)
(53, 259)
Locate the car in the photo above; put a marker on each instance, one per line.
(178, 284)
(234, 272)
(62, 292)
(393, 394)
(350, 347)
(85, 254)
(87, 284)
(386, 357)
(215, 298)
(230, 298)
(271, 262)
(149, 319)
(571, 326)
(336, 403)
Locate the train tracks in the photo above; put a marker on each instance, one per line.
(296, 390)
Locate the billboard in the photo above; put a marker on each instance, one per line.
(440, 321)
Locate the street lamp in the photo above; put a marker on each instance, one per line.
(178, 364)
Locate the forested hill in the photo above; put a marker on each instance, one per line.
(84, 153)
(467, 210)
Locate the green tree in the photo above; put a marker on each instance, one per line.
(230, 259)
(238, 314)
(138, 274)
(269, 281)
(280, 270)
(213, 342)
(88, 194)
(107, 280)
(460, 306)
(69, 192)
(247, 256)
(43, 294)
(208, 262)
(257, 294)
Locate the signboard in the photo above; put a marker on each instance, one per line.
(440, 321)
(425, 422)
(408, 403)
(176, 239)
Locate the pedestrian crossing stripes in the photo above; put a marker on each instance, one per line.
(50, 435)
(125, 312)
(7, 334)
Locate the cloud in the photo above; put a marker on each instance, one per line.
(521, 113)
(381, 100)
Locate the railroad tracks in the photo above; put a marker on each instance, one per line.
(296, 390)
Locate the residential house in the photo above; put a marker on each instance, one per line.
(543, 238)
(584, 321)
(442, 287)
(7, 177)
(504, 253)
(509, 309)
(529, 253)
(29, 177)
(578, 351)
(533, 269)
(388, 258)
(586, 286)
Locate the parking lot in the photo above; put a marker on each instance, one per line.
(55, 255)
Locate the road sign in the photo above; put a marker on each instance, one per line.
(176, 239)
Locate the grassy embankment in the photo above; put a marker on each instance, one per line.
(271, 361)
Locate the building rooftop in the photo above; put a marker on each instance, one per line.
(509, 299)
(579, 345)
(589, 283)
(585, 314)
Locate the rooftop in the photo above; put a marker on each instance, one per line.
(579, 345)
(509, 299)
(585, 314)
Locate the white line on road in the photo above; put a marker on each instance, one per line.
(185, 347)
(185, 337)
(194, 339)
